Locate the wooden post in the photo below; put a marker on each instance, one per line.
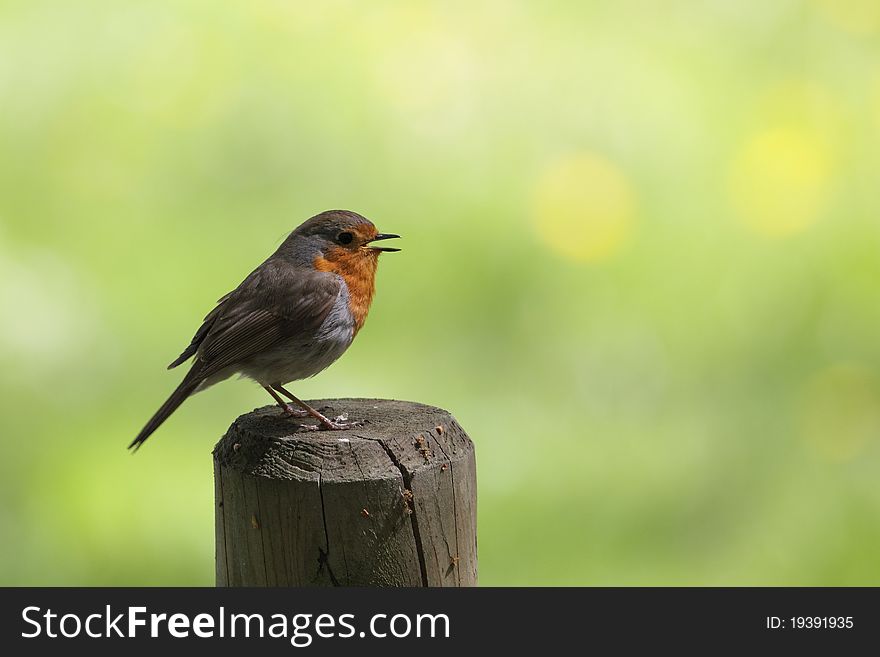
(392, 502)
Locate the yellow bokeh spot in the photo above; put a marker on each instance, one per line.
(840, 411)
(858, 16)
(779, 180)
(583, 207)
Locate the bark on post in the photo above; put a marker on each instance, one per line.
(388, 503)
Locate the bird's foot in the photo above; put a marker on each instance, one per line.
(327, 424)
(289, 410)
(341, 422)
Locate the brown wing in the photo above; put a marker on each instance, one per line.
(275, 303)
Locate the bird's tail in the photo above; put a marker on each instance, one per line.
(185, 389)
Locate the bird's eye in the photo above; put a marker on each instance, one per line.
(345, 238)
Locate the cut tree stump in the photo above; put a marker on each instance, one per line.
(392, 502)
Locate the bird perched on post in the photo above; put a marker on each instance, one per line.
(290, 318)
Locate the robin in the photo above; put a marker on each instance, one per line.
(291, 318)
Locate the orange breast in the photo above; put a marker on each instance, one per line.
(358, 270)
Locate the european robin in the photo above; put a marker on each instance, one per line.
(290, 318)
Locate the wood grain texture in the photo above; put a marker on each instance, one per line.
(389, 503)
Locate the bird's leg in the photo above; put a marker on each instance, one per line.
(287, 408)
(326, 423)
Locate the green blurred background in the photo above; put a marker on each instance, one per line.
(640, 267)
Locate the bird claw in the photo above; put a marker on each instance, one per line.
(336, 425)
(326, 424)
(289, 411)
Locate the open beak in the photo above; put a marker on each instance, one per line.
(384, 236)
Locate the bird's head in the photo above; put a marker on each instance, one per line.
(341, 238)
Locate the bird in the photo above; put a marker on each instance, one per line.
(289, 319)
